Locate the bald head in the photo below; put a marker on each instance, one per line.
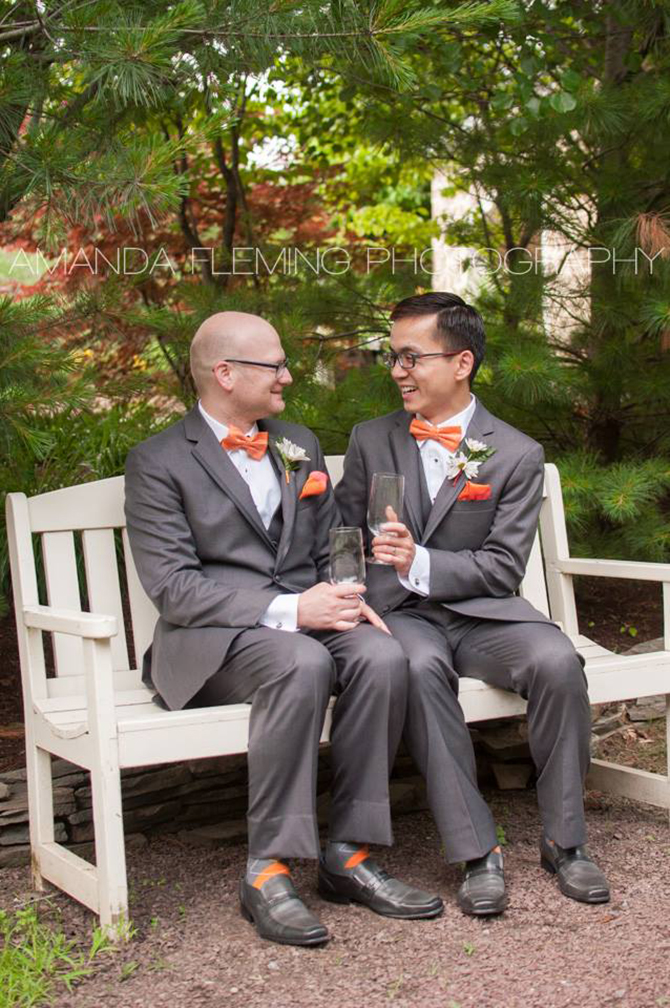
(226, 334)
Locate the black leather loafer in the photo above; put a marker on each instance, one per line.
(371, 886)
(279, 914)
(579, 877)
(483, 890)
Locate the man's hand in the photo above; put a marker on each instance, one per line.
(373, 619)
(330, 607)
(395, 546)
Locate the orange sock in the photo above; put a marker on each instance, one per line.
(361, 855)
(264, 869)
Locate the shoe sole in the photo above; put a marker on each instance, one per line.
(332, 897)
(307, 943)
(598, 897)
(483, 911)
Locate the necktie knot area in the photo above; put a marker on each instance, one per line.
(255, 445)
(448, 437)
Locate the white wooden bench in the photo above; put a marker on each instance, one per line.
(96, 713)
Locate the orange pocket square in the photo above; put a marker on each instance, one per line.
(315, 484)
(475, 491)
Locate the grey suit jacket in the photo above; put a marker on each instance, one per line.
(202, 552)
(478, 549)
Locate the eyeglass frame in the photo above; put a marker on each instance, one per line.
(278, 368)
(390, 358)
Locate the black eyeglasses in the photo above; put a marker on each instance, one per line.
(407, 359)
(277, 368)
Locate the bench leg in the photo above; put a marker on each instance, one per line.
(110, 856)
(667, 745)
(640, 785)
(41, 805)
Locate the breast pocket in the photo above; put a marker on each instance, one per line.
(473, 507)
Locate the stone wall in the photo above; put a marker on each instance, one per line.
(202, 801)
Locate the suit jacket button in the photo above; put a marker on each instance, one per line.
(274, 543)
(277, 578)
(386, 608)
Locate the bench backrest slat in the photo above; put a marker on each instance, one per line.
(143, 612)
(533, 588)
(60, 569)
(104, 590)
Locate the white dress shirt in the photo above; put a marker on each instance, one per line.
(434, 459)
(263, 483)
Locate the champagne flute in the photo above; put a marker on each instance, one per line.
(347, 561)
(386, 492)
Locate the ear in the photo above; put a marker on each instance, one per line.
(466, 362)
(223, 375)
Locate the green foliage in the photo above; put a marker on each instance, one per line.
(86, 90)
(616, 511)
(76, 446)
(37, 376)
(36, 961)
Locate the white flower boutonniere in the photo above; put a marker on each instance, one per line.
(469, 463)
(291, 455)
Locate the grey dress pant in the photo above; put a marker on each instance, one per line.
(535, 660)
(289, 679)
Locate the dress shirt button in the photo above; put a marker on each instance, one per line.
(416, 581)
(279, 626)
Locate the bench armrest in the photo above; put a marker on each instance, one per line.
(69, 621)
(627, 569)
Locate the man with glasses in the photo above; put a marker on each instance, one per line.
(446, 588)
(228, 516)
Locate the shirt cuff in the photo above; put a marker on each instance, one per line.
(418, 579)
(282, 613)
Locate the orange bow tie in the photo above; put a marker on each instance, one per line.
(254, 445)
(448, 437)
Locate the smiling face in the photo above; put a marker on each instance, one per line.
(436, 387)
(252, 391)
(232, 392)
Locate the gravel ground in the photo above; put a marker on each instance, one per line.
(192, 947)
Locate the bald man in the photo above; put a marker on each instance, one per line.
(230, 540)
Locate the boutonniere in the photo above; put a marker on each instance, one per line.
(469, 462)
(315, 484)
(291, 455)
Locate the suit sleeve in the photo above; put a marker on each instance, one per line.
(166, 558)
(327, 517)
(351, 493)
(498, 567)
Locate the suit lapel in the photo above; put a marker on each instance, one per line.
(408, 461)
(288, 492)
(480, 425)
(214, 459)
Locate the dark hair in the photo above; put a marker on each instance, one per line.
(458, 326)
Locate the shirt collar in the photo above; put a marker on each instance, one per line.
(461, 419)
(221, 430)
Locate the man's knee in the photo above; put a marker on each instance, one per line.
(382, 662)
(558, 670)
(306, 665)
(430, 673)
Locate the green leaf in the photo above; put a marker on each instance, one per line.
(571, 80)
(563, 102)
